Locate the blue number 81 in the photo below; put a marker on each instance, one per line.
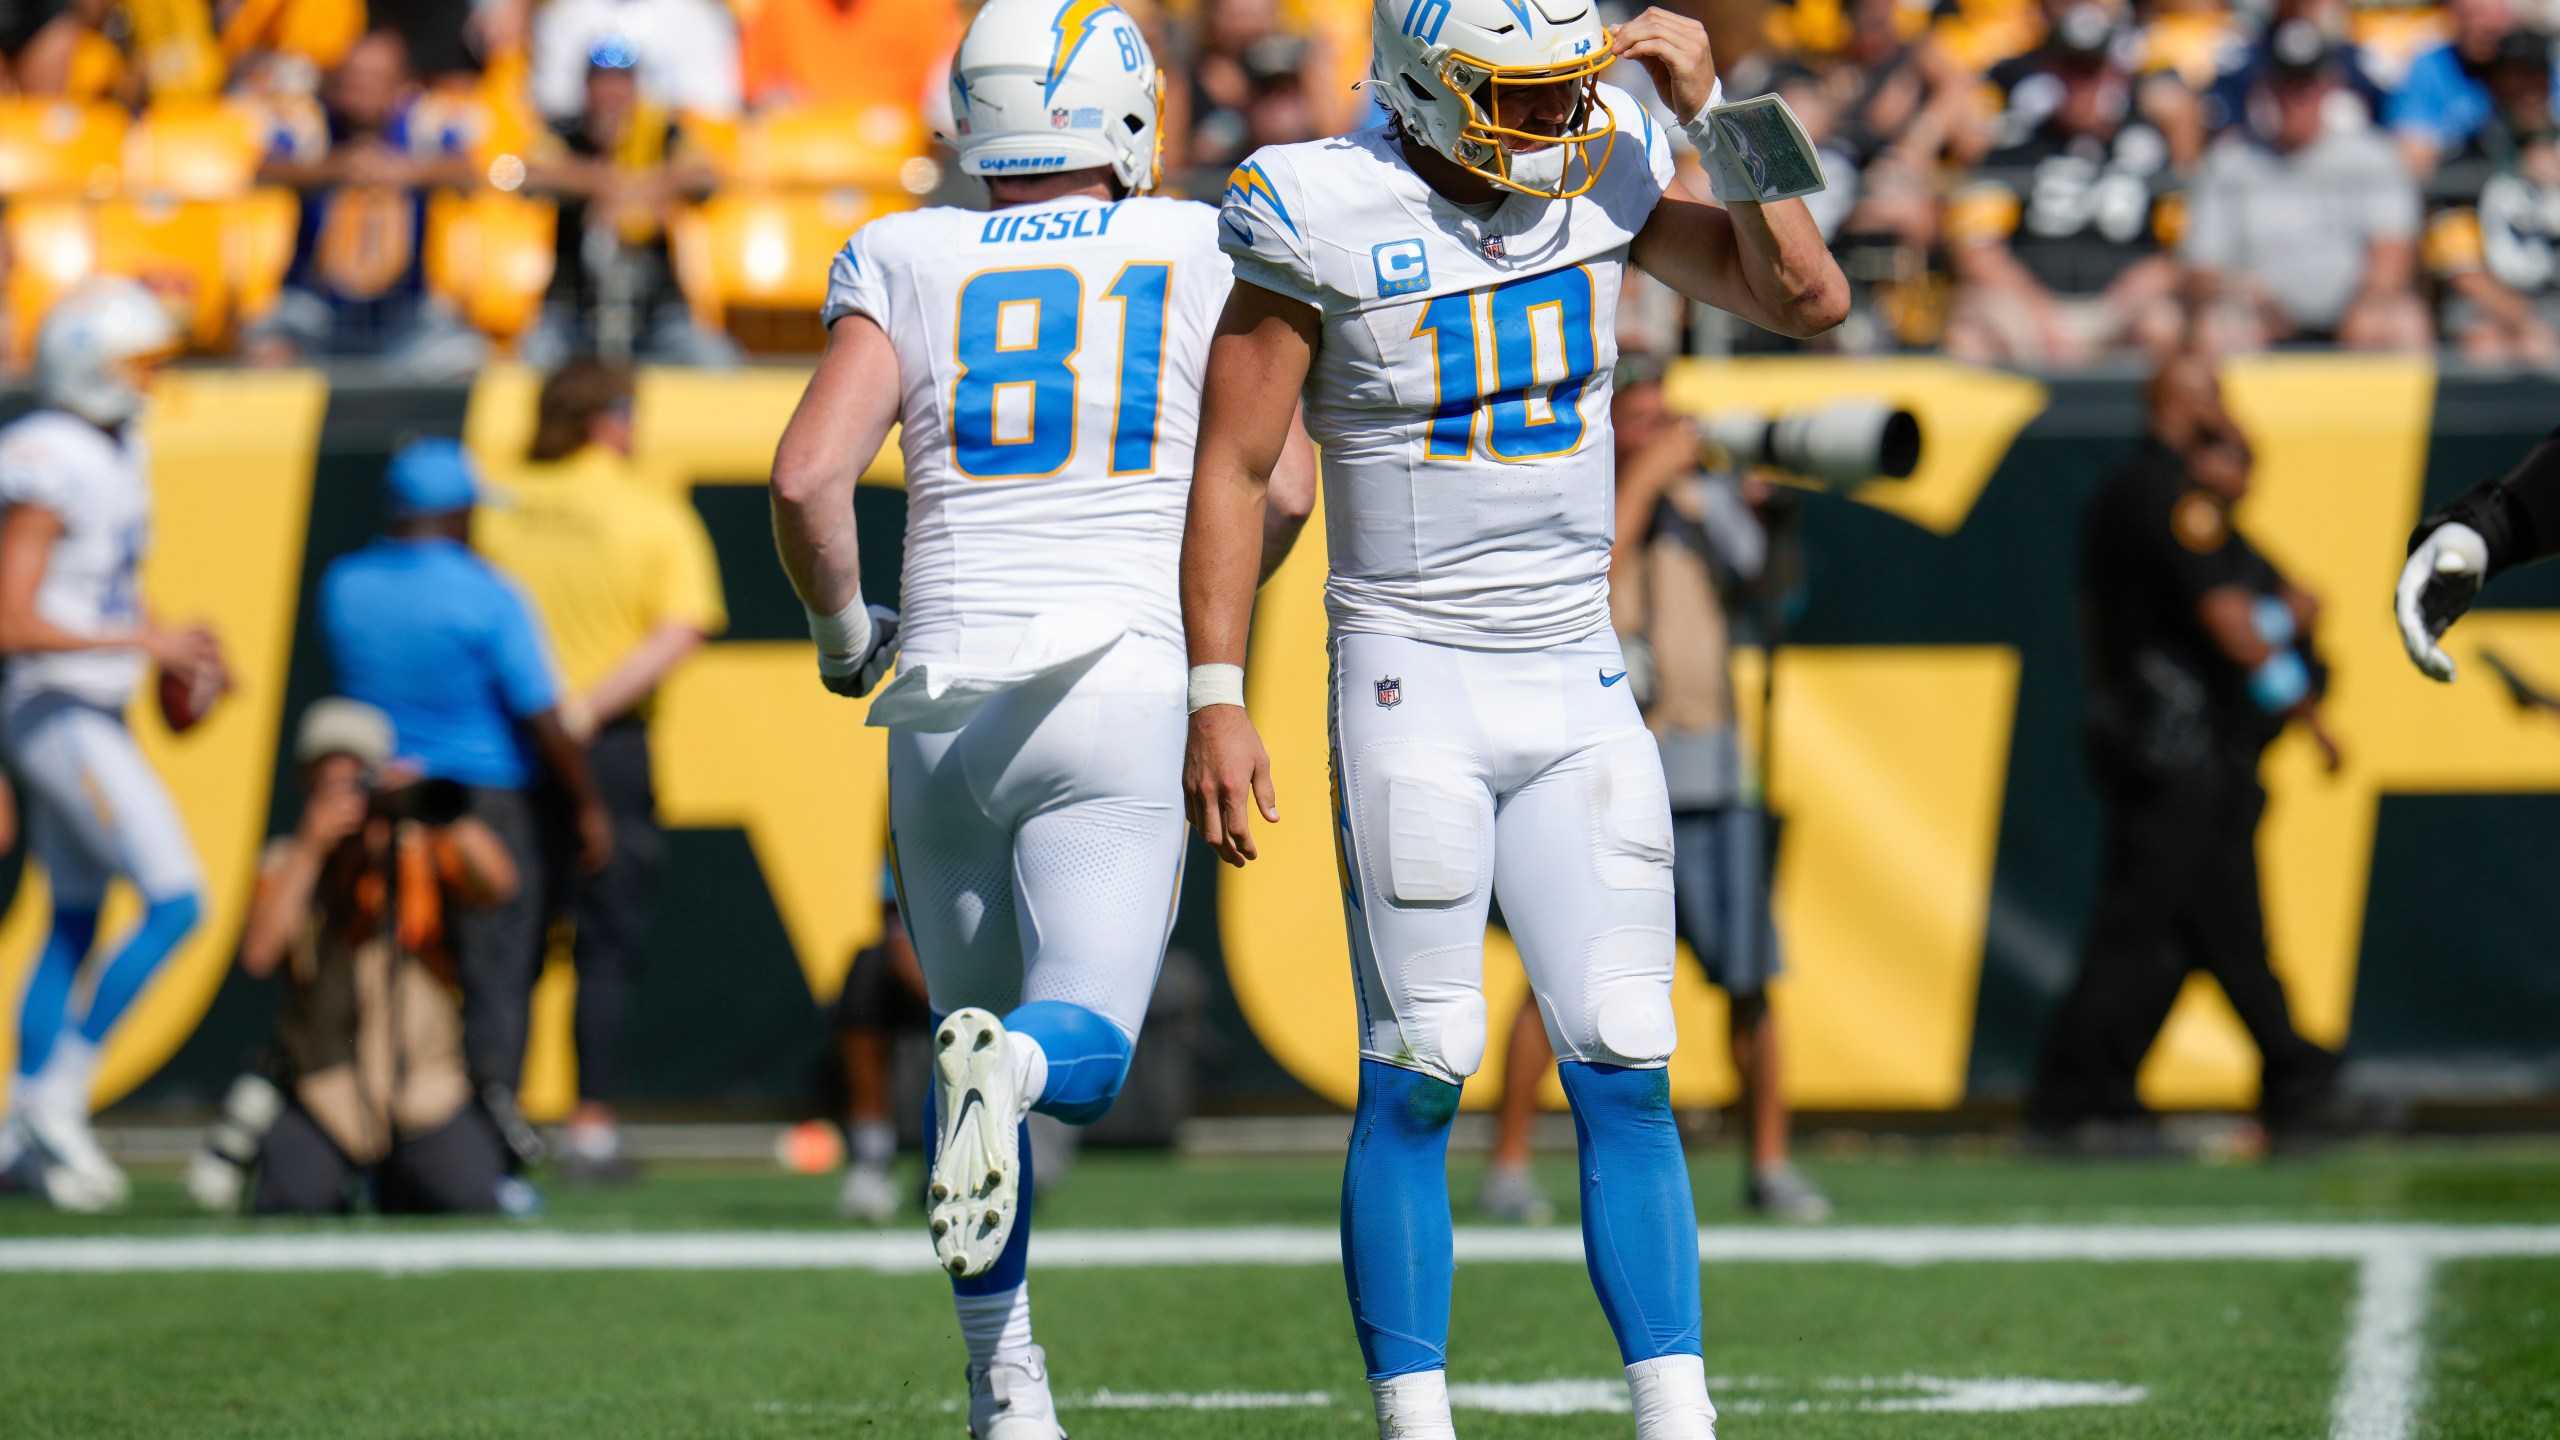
(1019, 331)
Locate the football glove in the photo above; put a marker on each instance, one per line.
(857, 675)
(2443, 576)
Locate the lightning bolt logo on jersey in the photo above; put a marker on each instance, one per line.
(1461, 387)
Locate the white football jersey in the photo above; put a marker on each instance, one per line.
(1461, 390)
(98, 488)
(1050, 357)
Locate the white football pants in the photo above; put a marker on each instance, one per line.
(1038, 849)
(1460, 775)
(94, 808)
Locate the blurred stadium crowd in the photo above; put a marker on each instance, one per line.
(2044, 183)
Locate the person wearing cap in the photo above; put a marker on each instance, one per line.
(2446, 97)
(619, 170)
(351, 912)
(2057, 242)
(2495, 231)
(2299, 231)
(621, 572)
(419, 626)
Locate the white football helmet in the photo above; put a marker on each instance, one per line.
(1044, 86)
(96, 344)
(1443, 67)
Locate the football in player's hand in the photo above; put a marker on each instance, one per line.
(186, 697)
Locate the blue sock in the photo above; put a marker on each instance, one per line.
(1015, 1260)
(163, 925)
(1088, 1058)
(1396, 1246)
(49, 985)
(1639, 1228)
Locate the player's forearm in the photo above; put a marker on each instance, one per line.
(2517, 515)
(1222, 543)
(842, 418)
(27, 633)
(1797, 285)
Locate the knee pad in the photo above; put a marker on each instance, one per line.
(1088, 1058)
(1628, 995)
(1441, 1023)
(1427, 819)
(1631, 813)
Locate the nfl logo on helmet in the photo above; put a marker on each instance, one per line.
(1390, 692)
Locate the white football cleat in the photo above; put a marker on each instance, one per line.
(976, 1186)
(215, 1184)
(1009, 1399)
(78, 1176)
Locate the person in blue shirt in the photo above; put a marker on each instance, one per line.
(2445, 99)
(429, 633)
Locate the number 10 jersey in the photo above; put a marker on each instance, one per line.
(1049, 361)
(1461, 389)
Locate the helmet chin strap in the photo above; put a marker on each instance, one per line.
(1539, 169)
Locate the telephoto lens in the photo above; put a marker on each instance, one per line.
(1840, 445)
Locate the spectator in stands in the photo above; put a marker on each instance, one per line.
(846, 52)
(618, 169)
(686, 52)
(1242, 61)
(2445, 99)
(357, 286)
(419, 627)
(2496, 246)
(351, 909)
(2057, 243)
(62, 49)
(621, 574)
(883, 997)
(2226, 100)
(2299, 231)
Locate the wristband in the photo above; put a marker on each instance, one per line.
(845, 633)
(2272, 619)
(2280, 683)
(1216, 685)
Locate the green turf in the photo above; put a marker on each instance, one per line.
(2225, 1350)
(2228, 1352)
(1947, 1183)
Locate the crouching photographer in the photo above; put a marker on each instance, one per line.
(351, 911)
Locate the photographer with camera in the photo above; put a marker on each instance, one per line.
(351, 911)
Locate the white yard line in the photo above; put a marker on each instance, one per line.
(395, 1252)
(2384, 1366)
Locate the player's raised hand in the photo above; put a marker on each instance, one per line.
(2440, 581)
(1673, 50)
(1226, 776)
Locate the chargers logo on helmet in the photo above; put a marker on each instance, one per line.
(1073, 27)
(1026, 63)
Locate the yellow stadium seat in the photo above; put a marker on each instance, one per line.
(258, 234)
(770, 250)
(57, 147)
(863, 146)
(54, 247)
(491, 254)
(195, 149)
(176, 248)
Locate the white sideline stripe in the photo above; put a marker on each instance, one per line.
(901, 1253)
(2384, 1367)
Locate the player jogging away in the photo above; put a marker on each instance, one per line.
(74, 478)
(1442, 289)
(1042, 361)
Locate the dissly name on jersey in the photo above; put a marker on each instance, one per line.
(1082, 223)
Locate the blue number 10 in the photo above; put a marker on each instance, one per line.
(1013, 405)
(1528, 416)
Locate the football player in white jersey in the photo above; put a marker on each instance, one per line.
(1042, 360)
(1442, 289)
(74, 478)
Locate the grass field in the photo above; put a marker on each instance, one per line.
(734, 1305)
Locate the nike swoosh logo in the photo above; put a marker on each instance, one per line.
(1608, 679)
(973, 1098)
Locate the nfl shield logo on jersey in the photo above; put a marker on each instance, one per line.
(1390, 693)
(1494, 249)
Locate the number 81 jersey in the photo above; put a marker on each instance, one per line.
(1461, 386)
(1049, 359)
